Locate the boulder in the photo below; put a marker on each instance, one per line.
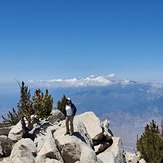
(105, 125)
(103, 140)
(1, 151)
(16, 133)
(132, 157)
(88, 156)
(45, 143)
(5, 160)
(56, 116)
(113, 154)
(71, 146)
(91, 122)
(92, 142)
(5, 146)
(24, 151)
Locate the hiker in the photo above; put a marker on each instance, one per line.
(70, 113)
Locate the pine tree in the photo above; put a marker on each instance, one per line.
(62, 104)
(25, 104)
(42, 104)
(13, 117)
(48, 101)
(25, 109)
(150, 144)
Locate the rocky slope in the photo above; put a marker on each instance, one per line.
(92, 142)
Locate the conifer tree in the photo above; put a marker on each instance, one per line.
(48, 101)
(13, 117)
(150, 144)
(62, 104)
(42, 104)
(25, 109)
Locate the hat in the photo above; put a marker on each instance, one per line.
(68, 99)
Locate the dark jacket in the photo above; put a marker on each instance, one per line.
(73, 109)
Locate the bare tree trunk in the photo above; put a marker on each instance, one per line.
(27, 124)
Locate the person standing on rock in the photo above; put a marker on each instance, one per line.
(70, 113)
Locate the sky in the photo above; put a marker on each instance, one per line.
(61, 40)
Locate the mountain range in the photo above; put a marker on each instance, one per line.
(129, 105)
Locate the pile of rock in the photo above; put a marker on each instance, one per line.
(91, 142)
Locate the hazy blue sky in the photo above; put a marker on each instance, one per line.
(60, 39)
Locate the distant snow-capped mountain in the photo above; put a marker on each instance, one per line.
(134, 97)
(128, 105)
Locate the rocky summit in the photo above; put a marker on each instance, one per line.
(92, 142)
